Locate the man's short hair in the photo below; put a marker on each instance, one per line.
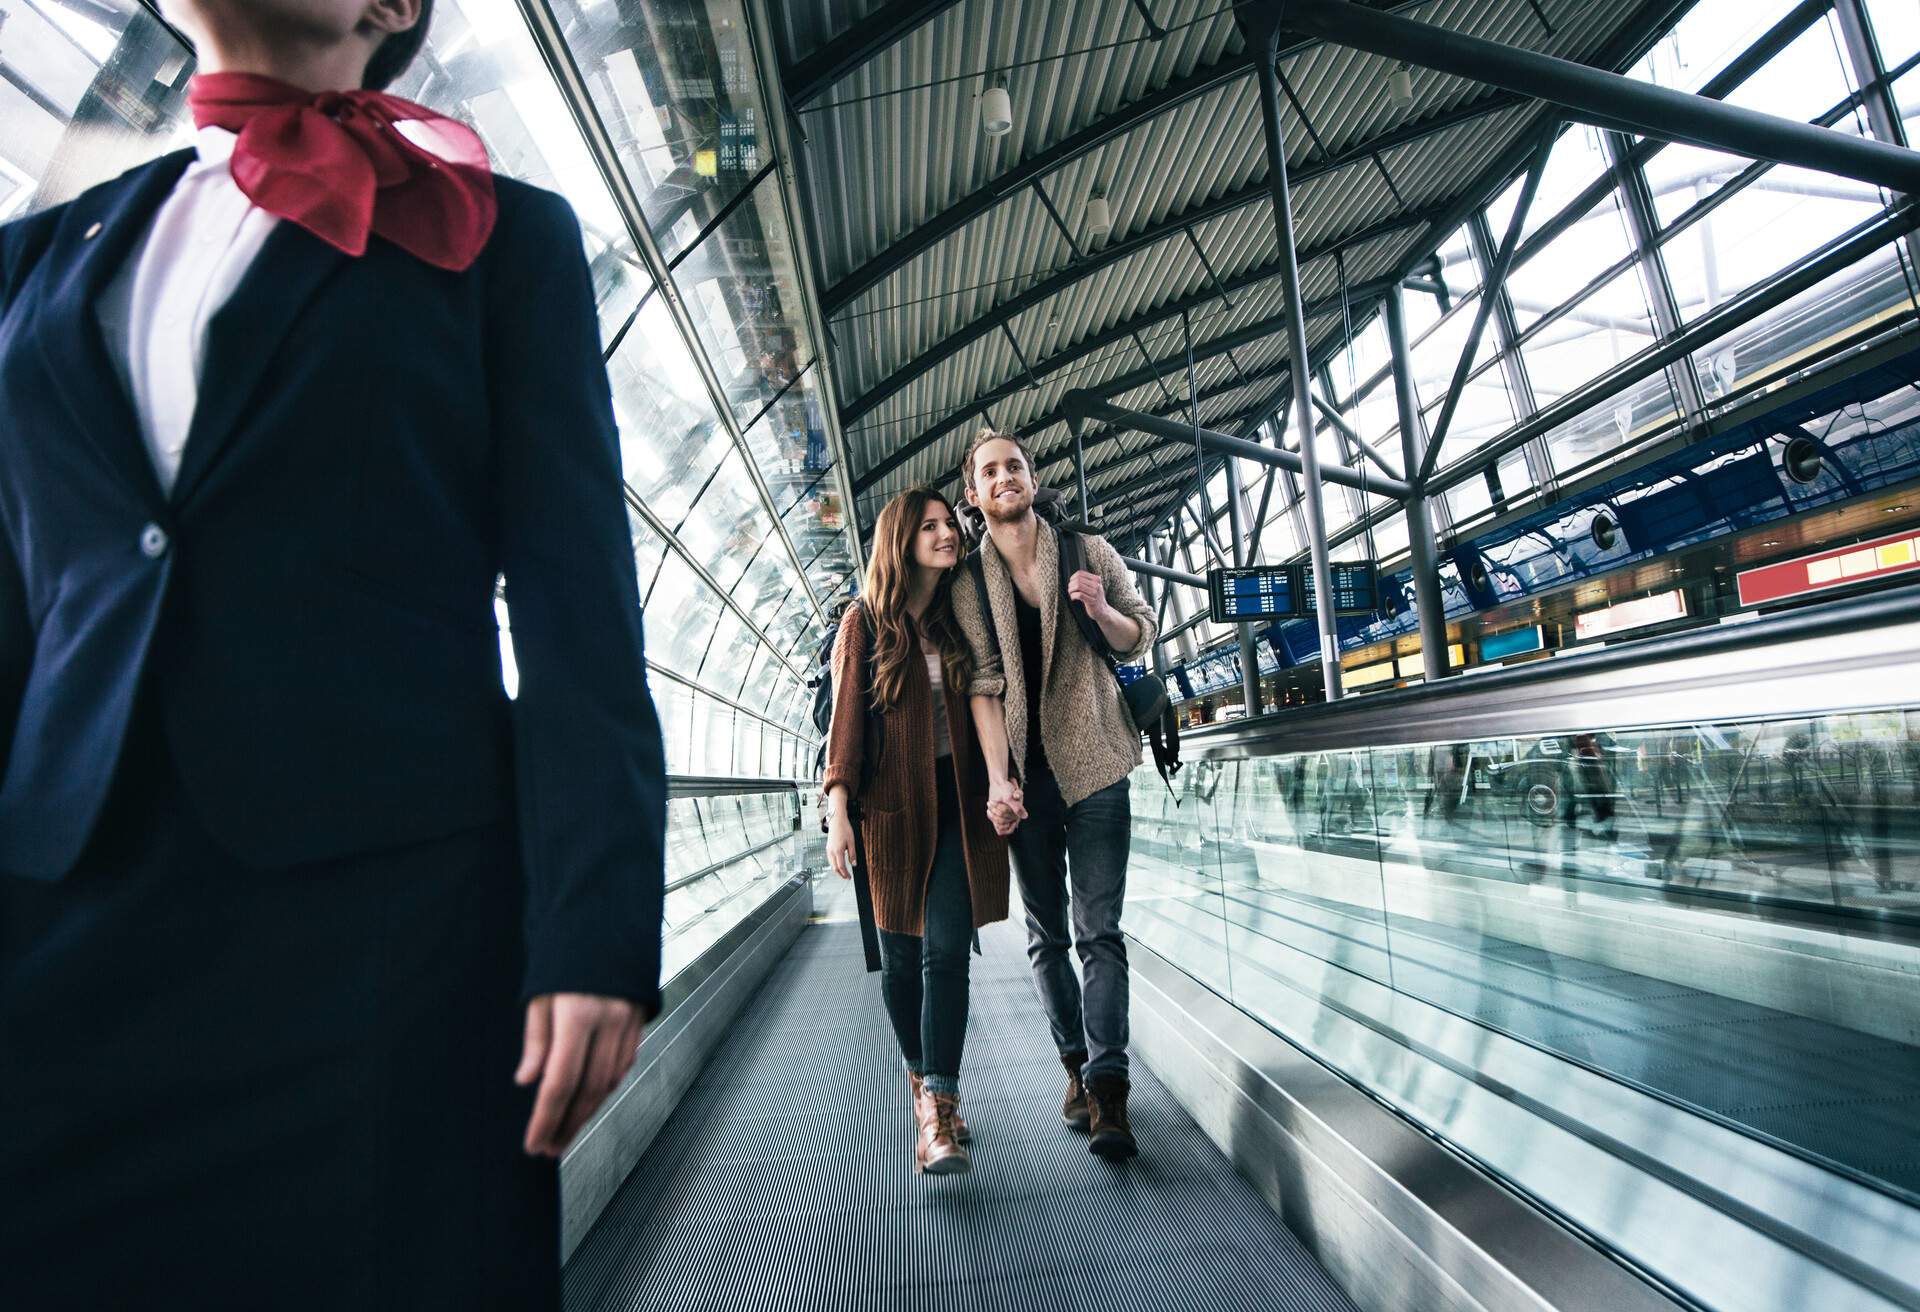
(391, 57)
(987, 435)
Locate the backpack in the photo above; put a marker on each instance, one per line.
(822, 685)
(1146, 697)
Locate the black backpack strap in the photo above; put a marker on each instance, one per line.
(1072, 559)
(869, 762)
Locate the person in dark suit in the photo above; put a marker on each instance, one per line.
(315, 949)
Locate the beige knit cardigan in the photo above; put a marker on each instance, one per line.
(1089, 737)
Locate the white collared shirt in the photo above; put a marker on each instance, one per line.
(154, 314)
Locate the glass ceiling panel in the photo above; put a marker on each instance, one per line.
(670, 440)
(742, 289)
(681, 614)
(727, 655)
(673, 80)
(725, 529)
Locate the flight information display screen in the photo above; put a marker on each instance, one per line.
(1268, 592)
(1356, 589)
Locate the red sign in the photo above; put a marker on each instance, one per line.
(1838, 568)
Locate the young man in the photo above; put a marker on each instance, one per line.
(288, 887)
(1072, 744)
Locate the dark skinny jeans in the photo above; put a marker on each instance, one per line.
(924, 979)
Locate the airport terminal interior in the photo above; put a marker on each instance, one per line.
(1511, 411)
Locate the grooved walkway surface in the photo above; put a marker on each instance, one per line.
(785, 1179)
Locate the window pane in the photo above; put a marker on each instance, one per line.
(85, 93)
(670, 441)
(1577, 161)
(674, 83)
(1608, 326)
(727, 525)
(1707, 40)
(743, 291)
(681, 614)
(1553, 276)
(1803, 81)
(1896, 27)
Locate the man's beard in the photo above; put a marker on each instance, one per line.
(1000, 512)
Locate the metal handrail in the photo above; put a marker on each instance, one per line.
(713, 785)
(1804, 662)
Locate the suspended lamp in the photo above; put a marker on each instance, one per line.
(1400, 85)
(996, 112)
(1099, 216)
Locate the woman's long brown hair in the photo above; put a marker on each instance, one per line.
(889, 579)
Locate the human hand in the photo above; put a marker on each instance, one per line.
(1090, 590)
(1006, 806)
(578, 1047)
(840, 843)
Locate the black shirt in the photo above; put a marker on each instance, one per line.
(1031, 670)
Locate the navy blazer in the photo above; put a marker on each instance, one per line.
(376, 441)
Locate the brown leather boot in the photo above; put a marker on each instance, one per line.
(960, 1128)
(939, 1152)
(1074, 1110)
(1112, 1136)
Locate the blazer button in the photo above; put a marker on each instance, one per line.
(153, 542)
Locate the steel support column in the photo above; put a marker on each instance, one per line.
(1607, 99)
(1249, 652)
(1420, 540)
(1644, 223)
(1263, 34)
(1870, 74)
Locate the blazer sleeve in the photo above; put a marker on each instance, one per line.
(1123, 597)
(989, 677)
(846, 736)
(590, 768)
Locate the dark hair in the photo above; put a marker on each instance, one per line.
(391, 57)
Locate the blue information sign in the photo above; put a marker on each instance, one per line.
(1267, 592)
(1356, 590)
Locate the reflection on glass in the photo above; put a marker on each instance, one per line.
(1703, 910)
(674, 83)
(742, 289)
(480, 65)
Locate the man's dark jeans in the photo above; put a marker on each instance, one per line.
(1089, 842)
(924, 979)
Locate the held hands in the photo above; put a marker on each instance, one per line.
(578, 1047)
(1090, 590)
(1006, 806)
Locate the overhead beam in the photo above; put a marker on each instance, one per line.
(1174, 227)
(1119, 333)
(1089, 406)
(808, 80)
(1121, 121)
(1166, 572)
(1595, 95)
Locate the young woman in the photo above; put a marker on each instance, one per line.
(936, 867)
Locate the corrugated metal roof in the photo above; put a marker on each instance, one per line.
(882, 165)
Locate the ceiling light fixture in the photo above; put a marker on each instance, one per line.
(996, 112)
(1099, 216)
(1400, 85)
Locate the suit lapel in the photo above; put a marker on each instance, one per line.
(243, 337)
(96, 237)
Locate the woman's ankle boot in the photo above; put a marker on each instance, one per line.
(939, 1151)
(960, 1128)
(1074, 1110)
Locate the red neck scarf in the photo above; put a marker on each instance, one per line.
(335, 163)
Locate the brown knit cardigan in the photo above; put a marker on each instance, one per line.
(899, 814)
